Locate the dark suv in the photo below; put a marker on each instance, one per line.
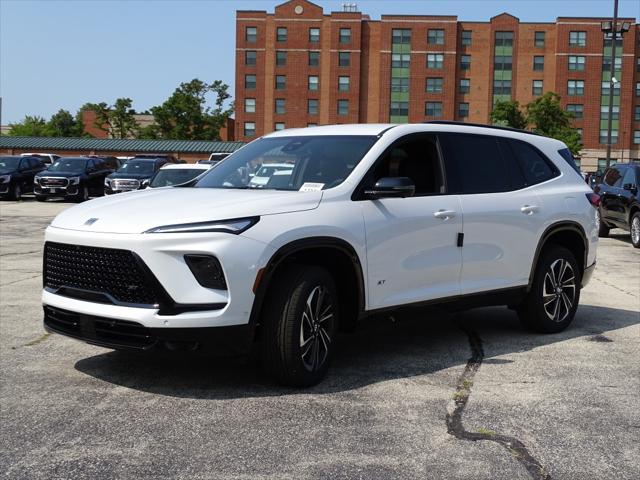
(74, 178)
(135, 174)
(619, 204)
(16, 175)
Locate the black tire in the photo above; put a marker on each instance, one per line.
(289, 357)
(16, 192)
(635, 229)
(83, 194)
(538, 310)
(603, 229)
(41, 198)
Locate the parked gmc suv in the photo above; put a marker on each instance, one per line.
(135, 174)
(371, 218)
(73, 178)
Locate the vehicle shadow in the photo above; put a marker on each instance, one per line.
(416, 342)
(622, 237)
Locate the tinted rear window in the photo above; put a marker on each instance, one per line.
(568, 157)
(613, 176)
(535, 166)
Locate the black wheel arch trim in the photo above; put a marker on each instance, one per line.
(552, 229)
(291, 248)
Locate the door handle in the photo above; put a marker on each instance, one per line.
(529, 209)
(444, 214)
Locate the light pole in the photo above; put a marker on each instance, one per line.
(612, 28)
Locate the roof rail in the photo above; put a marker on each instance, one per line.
(496, 127)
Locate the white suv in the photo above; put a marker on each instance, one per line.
(372, 217)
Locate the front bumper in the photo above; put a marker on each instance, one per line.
(128, 335)
(587, 274)
(51, 192)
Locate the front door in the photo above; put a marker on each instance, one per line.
(412, 252)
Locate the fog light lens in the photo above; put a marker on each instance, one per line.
(207, 271)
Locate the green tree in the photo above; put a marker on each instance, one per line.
(187, 115)
(547, 117)
(63, 124)
(508, 114)
(30, 126)
(118, 120)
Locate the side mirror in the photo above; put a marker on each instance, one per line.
(391, 187)
(631, 187)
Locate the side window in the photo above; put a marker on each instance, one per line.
(416, 158)
(24, 164)
(613, 177)
(568, 157)
(474, 164)
(630, 177)
(91, 166)
(535, 167)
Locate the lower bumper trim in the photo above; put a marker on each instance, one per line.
(587, 274)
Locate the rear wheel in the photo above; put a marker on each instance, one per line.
(603, 230)
(83, 194)
(16, 192)
(635, 230)
(552, 302)
(299, 325)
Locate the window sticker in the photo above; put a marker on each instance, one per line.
(311, 187)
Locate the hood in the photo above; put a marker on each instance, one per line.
(46, 173)
(7, 172)
(138, 211)
(134, 176)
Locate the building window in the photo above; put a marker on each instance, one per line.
(538, 63)
(463, 110)
(636, 137)
(434, 85)
(466, 38)
(249, 82)
(251, 34)
(345, 35)
(433, 109)
(313, 83)
(399, 84)
(503, 62)
(576, 62)
(465, 62)
(281, 82)
(314, 59)
(606, 64)
(538, 39)
(314, 35)
(281, 58)
(603, 136)
(577, 39)
(401, 35)
(280, 106)
(504, 39)
(344, 84)
(249, 129)
(312, 107)
(607, 40)
(602, 164)
(606, 86)
(343, 107)
(502, 87)
(281, 34)
(312, 124)
(435, 37)
(465, 85)
(400, 60)
(575, 87)
(637, 113)
(577, 160)
(604, 112)
(638, 64)
(344, 59)
(400, 109)
(577, 109)
(279, 126)
(435, 60)
(249, 105)
(536, 87)
(250, 57)
(637, 88)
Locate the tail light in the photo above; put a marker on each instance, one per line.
(594, 199)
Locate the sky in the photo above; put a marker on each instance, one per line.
(63, 53)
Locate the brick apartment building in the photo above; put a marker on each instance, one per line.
(299, 67)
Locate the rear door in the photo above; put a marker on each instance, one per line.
(611, 194)
(501, 211)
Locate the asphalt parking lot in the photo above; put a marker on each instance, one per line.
(425, 395)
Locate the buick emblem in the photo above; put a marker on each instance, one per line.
(91, 221)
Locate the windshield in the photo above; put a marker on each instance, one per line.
(324, 161)
(70, 165)
(140, 167)
(9, 163)
(175, 176)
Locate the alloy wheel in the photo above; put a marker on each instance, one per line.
(316, 328)
(635, 230)
(597, 218)
(559, 290)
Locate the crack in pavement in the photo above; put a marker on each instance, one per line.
(454, 415)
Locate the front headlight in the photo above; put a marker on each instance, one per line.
(74, 180)
(5, 178)
(235, 226)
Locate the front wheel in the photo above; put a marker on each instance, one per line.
(551, 304)
(635, 230)
(16, 193)
(299, 325)
(83, 194)
(603, 230)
